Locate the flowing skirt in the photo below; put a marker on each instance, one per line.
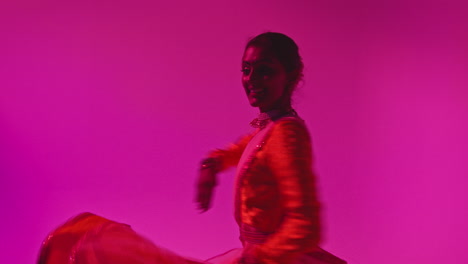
(91, 239)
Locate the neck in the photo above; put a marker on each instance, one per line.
(282, 107)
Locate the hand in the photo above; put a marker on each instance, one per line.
(248, 256)
(205, 187)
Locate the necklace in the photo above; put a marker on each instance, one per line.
(264, 118)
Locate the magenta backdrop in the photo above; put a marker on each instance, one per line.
(108, 106)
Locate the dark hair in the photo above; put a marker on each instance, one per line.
(284, 49)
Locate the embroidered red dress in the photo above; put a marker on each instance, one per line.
(276, 208)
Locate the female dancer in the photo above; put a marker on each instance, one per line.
(276, 204)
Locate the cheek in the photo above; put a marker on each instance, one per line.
(278, 87)
(244, 82)
(278, 92)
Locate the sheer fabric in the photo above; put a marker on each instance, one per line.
(91, 239)
(276, 208)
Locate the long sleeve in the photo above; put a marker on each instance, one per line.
(229, 156)
(289, 159)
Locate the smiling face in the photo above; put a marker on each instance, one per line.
(265, 80)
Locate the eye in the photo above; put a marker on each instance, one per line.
(260, 71)
(265, 71)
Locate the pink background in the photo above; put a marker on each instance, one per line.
(108, 107)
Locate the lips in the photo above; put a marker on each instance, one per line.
(256, 91)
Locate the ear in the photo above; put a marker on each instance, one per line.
(293, 80)
(289, 89)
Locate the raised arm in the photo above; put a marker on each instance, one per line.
(217, 161)
(229, 156)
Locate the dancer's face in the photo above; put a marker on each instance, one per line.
(264, 79)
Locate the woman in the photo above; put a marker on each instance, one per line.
(276, 205)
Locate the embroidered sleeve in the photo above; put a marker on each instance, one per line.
(290, 161)
(230, 156)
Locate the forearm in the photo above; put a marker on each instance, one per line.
(229, 156)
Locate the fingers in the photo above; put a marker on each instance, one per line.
(203, 199)
(204, 189)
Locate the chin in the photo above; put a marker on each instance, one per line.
(256, 104)
(253, 103)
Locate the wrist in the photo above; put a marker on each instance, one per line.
(248, 256)
(210, 164)
(247, 260)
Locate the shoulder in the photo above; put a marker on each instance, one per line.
(290, 124)
(289, 140)
(290, 129)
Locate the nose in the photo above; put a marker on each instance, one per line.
(253, 76)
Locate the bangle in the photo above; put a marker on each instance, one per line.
(209, 163)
